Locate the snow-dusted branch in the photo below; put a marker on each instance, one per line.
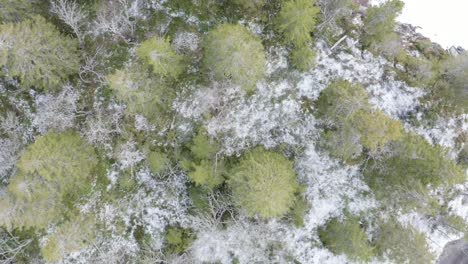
(116, 19)
(72, 14)
(11, 246)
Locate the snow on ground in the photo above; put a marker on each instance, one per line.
(331, 188)
(437, 236)
(445, 132)
(395, 98)
(159, 202)
(274, 116)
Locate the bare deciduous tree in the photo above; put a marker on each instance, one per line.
(11, 246)
(72, 14)
(331, 10)
(116, 18)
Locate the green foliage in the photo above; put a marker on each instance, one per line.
(69, 237)
(207, 173)
(15, 10)
(411, 161)
(36, 52)
(299, 210)
(204, 167)
(49, 169)
(347, 237)
(143, 95)
(456, 74)
(178, 240)
(340, 99)
(164, 60)
(157, 161)
(264, 183)
(375, 129)
(355, 126)
(232, 52)
(13, 238)
(380, 22)
(203, 147)
(251, 6)
(419, 72)
(297, 20)
(402, 244)
(303, 58)
(401, 177)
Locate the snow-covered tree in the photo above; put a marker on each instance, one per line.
(56, 112)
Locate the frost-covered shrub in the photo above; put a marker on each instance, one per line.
(56, 112)
(334, 15)
(232, 52)
(129, 155)
(264, 183)
(70, 237)
(162, 57)
(456, 75)
(8, 158)
(390, 47)
(117, 19)
(55, 166)
(36, 52)
(102, 126)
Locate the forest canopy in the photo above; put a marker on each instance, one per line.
(239, 131)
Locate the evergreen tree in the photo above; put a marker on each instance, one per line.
(204, 167)
(54, 168)
(347, 237)
(355, 126)
(162, 57)
(233, 53)
(380, 22)
(143, 95)
(34, 51)
(402, 244)
(15, 10)
(297, 20)
(264, 183)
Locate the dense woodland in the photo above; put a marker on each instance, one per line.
(227, 131)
